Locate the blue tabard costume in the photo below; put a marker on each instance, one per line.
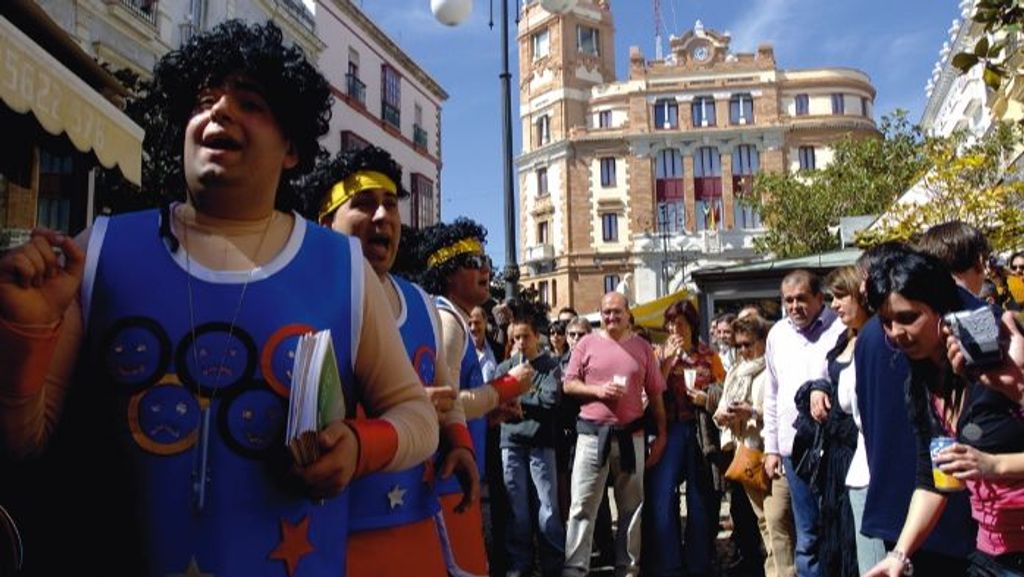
(470, 377)
(392, 499)
(164, 345)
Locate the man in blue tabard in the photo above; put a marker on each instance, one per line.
(171, 434)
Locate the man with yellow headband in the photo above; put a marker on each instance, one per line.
(396, 511)
(456, 268)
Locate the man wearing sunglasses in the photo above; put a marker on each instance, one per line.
(458, 271)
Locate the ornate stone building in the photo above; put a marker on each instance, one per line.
(645, 176)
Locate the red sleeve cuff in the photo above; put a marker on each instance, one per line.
(507, 387)
(456, 435)
(25, 354)
(378, 443)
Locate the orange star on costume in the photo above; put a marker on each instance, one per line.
(294, 544)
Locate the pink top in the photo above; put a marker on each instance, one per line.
(597, 359)
(998, 507)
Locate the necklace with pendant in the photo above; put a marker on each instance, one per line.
(200, 465)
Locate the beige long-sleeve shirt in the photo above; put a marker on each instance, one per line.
(388, 384)
(481, 400)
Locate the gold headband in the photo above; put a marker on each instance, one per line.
(464, 246)
(353, 185)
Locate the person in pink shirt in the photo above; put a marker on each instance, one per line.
(609, 371)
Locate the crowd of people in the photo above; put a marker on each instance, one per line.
(146, 368)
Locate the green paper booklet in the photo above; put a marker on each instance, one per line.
(316, 398)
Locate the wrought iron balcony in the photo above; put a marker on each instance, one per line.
(356, 88)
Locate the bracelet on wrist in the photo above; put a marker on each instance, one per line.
(901, 556)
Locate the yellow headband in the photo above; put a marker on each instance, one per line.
(353, 185)
(464, 246)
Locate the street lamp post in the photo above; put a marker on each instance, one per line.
(452, 13)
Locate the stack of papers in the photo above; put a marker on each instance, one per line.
(316, 398)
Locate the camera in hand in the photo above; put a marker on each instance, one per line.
(978, 333)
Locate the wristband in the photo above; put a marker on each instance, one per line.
(378, 443)
(507, 387)
(457, 436)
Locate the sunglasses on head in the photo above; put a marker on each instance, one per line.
(476, 261)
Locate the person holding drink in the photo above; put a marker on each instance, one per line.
(693, 373)
(968, 434)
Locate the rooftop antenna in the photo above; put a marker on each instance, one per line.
(657, 30)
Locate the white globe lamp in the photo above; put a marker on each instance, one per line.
(451, 12)
(557, 6)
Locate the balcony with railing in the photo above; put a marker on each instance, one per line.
(419, 137)
(145, 10)
(391, 114)
(539, 253)
(356, 89)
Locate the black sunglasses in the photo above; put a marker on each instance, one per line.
(575, 334)
(476, 261)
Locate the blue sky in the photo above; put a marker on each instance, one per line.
(896, 42)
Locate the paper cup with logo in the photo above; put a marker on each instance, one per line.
(943, 481)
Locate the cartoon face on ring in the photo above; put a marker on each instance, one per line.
(220, 358)
(164, 419)
(253, 421)
(136, 352)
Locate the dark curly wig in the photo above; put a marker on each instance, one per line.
(296, 92)
(328, 172)
(406, 263)
(435, 279)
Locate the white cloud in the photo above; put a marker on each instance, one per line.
(774, 21)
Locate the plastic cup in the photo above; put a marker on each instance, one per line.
(690, 376)
(943, 481)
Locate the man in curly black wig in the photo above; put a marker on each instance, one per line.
(357, 194)
(456, 268)
(188, 436)
(252, 60)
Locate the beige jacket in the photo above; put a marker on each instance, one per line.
(746, 381)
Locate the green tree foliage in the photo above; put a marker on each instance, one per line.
(1000, 22)
(865, 176)
(966, 182)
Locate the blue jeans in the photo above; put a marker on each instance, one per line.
(869, 550)
(805, 516)
(520, 465)
(678, 463)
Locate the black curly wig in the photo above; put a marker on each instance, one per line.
(407, 263)
(299, 96)
(435, 279)
(328, 172)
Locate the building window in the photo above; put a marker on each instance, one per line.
(611, 282)
(587, 40)
(607, 172)
(391, 96)
(745, 164)
(703, 111)
(542, 292)
(806, 154)
(666, 114)
(838, 104)
(668, 172)
(541, 44)
(542, 232)
(741, 109)
(542, 182)
(610, 227)
(865, 107)
(802, 105)
(668, 164)
(422, 199)
(707, 188)
(356, 87)
(604, 119)
(351, 141)
(543, 130)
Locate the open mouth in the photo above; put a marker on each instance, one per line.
(381, 241)
(221, 142)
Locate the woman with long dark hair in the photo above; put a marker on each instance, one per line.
(911, 292)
